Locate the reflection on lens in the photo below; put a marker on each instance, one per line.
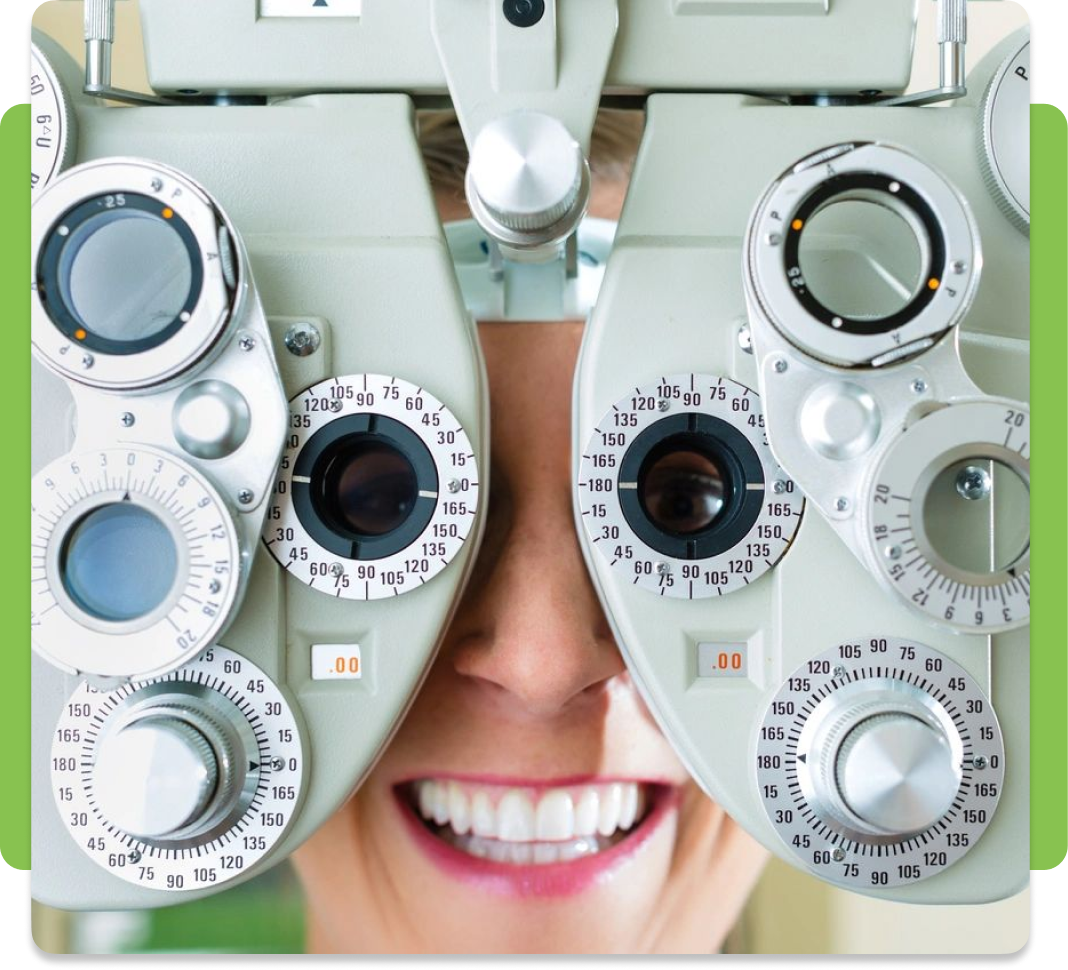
(125, 274)
(862, 259)
(682, 491)
(976, 516)
(368, 487)
(119, 562)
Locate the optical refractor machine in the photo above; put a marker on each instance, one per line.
(801, 431)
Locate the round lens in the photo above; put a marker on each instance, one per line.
(125, 274)
(977, 516)
(368, 487)
(863, 259)
(119, 562)
(682, 490)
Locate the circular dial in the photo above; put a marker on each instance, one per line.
(946, 516)
(1006, 133)
(181, 782)
(52, 123)
(135, 562)
(861, 254)
(880, 762)
(528, 182)
(679, 491)
(135, 274)
(377, 490)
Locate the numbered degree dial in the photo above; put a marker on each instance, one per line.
(679, 491)
(182, 782)
(377, 490)
(52, 125)
(879, 763)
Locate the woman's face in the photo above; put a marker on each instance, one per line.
(528, 803)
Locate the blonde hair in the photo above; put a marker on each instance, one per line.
(616, 136)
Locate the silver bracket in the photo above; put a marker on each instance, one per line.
(952, 70)
(99, 37)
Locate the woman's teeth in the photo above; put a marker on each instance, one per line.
(530, 826)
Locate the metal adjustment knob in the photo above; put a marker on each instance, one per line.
(1005, 150)
(156, 778)
(528, 183)
(896, 773)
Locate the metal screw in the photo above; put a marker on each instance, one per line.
(127, 419)
(779, 487)
(278, 763)
(893, 552)
(840, 671)
(663, 405)
(973, 483)
(979, 763)
(453, 486)
(247, 342)
(745, 339)
(87, 361)
(838, 855)
(336, 405)
(663, 569)
(781, 366)
(919, 386)
(302, 339)
(774, 239)
(337, 569)
(959, 267)
(842, 504)
(135, 857)
(214, 586)
(245, 496)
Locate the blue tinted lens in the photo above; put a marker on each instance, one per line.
(119, 563)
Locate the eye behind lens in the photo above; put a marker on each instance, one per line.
(683, 488)
(367, 487)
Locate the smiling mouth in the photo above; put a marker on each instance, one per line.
(530, 826)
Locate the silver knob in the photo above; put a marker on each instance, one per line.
(156, 777)
(896, 773)
(528, 180)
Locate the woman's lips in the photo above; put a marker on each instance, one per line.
(524, 838)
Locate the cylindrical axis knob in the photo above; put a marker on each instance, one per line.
(156, 778)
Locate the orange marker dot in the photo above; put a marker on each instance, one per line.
(80, 334)
(168, 213)
(797, 225)
(934, 284)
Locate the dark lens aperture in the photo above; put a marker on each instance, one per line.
(368, 486)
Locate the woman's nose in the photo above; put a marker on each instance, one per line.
(536, 632)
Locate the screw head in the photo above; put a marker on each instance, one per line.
(214, 586)
(337, 569)
(781, 367)
(663, 405)
(663, 569)
(87, 361)
(919, 386)
(127, 419)
(959, 267)
(779, 487)
(336, 405)
(774, 239)
(840, 671)
(453, 486)
(303, 339)
(247, 342)
(893, 552)
(278, 763)
(838, 855)
(134, 857)
(245, 496)
(745, 339)
(973, 483)
(841, 504)
(979, 762)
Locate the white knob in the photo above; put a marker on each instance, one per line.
(528, 181)
(156, 777)
(896, 773)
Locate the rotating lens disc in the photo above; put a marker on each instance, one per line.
(946, 517)
(135, 563)
(52, 139)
